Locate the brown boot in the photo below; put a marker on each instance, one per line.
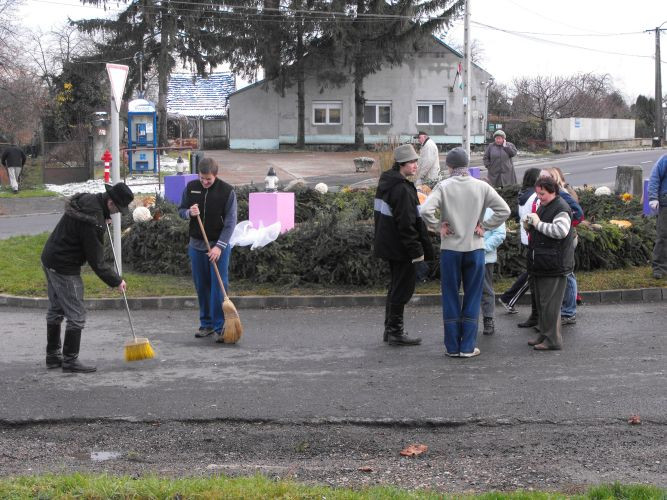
(536, 341)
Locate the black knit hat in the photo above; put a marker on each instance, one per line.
(457, 158)
(121, 195)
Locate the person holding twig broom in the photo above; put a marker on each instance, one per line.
(213, 202)
(78, 238)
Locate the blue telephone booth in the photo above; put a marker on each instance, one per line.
(142, 135)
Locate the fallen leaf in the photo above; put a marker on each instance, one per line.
(413, 450)
(634, 420)
(365, 468)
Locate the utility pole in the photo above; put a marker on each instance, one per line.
(659, 135)
(465, 138)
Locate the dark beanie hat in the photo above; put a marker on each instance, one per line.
(457, 158)
(121, 195)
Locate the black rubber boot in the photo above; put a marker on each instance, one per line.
(489, 327)
(71, 346)
(395, 334)
(387, 312)
(54, 356)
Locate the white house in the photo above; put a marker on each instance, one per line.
(423, 93)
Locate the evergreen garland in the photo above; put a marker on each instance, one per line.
(332, 242)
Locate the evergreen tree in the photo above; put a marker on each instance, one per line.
(162, 31)
(367, 35)
(275, 37)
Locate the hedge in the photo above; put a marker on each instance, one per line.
(332, 242)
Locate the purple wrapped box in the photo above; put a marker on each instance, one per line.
(174, 186)
(267, 208)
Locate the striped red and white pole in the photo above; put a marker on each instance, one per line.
(106, 158)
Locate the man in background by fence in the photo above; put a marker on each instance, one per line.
(13, 159)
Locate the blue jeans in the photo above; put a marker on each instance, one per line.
(460, 318)
(209, 294)
(569, 306)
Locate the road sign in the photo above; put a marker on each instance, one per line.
(117, 76)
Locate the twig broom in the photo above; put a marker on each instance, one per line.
(233, 329)
(139, 347)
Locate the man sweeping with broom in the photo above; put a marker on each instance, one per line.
(210, 205)
(78, 238)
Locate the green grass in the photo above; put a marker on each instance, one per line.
(259, 487)
(28, 193)
(22, 275)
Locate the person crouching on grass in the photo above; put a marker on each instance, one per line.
(462, 201)
(215, 202)
(401, 239)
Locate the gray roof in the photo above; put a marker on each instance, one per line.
(191, 95)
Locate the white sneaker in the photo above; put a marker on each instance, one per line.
(452, 354)
(510, 309)
(476, 352)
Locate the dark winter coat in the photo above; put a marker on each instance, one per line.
(498, 162)
(400, 233)
(79, 238)
(13, 157)
(550, 256)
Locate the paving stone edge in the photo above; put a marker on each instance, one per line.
(296, 301)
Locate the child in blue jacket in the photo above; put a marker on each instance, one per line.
(492, 240)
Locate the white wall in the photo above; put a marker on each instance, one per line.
(591, 129)
(262, 119)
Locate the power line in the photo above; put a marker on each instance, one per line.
(539, 14)
(553, 42)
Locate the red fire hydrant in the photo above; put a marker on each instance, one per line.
(106, 158)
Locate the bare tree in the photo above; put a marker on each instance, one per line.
(584, 95)
(22, 99)
(500, 102)
(476, 48)
(21, 91)
(49, 52)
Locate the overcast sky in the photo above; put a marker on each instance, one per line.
(597, 25)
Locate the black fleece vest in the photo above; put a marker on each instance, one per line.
(549, 256)
(212, 204)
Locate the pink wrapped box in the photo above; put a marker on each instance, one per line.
(268, 208)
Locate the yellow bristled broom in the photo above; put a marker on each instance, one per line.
(233, 329)
(139, 347)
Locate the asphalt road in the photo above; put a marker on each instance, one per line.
(594, 169)
(313, 364)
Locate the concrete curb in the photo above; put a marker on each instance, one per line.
(297, 301)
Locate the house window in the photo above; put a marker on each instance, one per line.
(327, 112)
(430, 113)
(377, 113)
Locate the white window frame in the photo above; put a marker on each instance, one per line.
(377, 105)
(430, 105)
(327, 105)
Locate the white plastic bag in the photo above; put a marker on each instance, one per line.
(245, 234)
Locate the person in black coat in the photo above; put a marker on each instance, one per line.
(13, 159)
(400, 238)
(78, 238)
